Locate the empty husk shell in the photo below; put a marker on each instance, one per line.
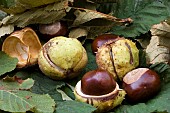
(24, 45)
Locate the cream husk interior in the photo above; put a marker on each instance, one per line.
(103, 103)
(79, 91)
(24, 45)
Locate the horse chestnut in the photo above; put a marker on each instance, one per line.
(118, 57)
(141, 84)
(97, 82)
(101, 39)
(52, 30)
(62, 58)
(99, 89)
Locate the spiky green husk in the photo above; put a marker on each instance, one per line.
(118, 57)
(103, 103)
(62, 57)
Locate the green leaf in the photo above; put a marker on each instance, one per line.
(14, 83)
(142, 59)
(7, 63)
(160, 67)
(167, 4)
(19, 6)
(41, 103)
(107, 8)
(73, 107)
(27, 84)
(44, 15)
(139, 108)
(163, 70)
(68, 90)
(64, 95)
(12, 103)
(43, 84)
(144, 16)
(7, 3)
(91, 57)
(22, 101)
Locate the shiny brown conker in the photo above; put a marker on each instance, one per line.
(101, 39)
(141, 84)
(97, 82)
(52, 30)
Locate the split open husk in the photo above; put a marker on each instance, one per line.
(62, 57)
(118, 57)
(24, 45)
(103, 103)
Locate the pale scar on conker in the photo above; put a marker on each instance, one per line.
(141, 84)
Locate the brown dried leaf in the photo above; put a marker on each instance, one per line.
(97, 30)
(168, 21)
(43, 15)
(6, 29)
(86, 15)
(79, 33)
(162, 29)
(19, 6)
(96, 23)
(158, 50)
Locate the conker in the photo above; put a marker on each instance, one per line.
(97, 82)
(141, 84)
(49, 31)
(101, 39)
